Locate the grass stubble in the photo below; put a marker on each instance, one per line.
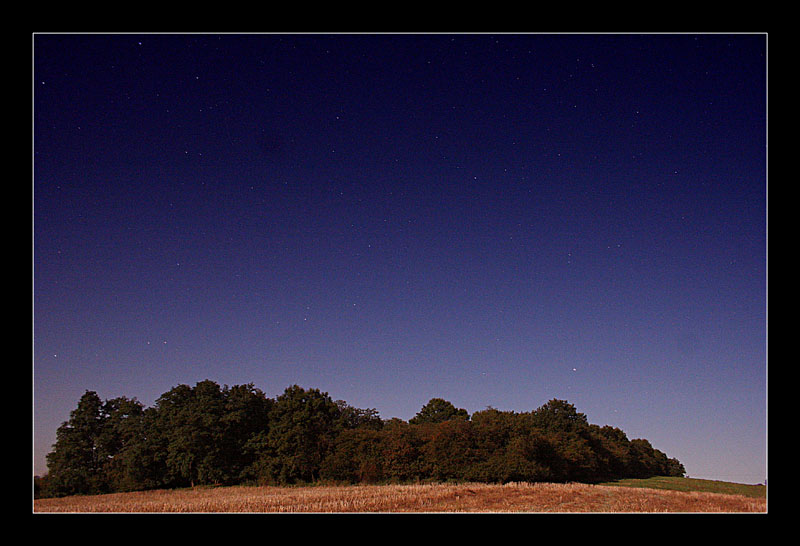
(425, 498)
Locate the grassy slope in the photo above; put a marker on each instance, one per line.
(692, 484)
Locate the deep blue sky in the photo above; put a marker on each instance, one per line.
(497, 220)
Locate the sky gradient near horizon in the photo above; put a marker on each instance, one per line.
(497, 220)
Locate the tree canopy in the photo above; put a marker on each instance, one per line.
(438, 410)
(207, 434)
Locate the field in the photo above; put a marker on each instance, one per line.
(625, 497)
(691, 484)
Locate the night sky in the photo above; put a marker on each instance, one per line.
(493, 219)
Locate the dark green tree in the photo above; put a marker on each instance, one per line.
(643, 460)
(190, 422)
(141, 464)
(675, 468)
(401, 456)
(450, 450)
(351, 417)
(492, 432)
(438, 410)
(542, 446)
(245, 416)
(530, 456)
(355, 457)
(75, 466)
(302, 430)
(123, 429)
(559, 415)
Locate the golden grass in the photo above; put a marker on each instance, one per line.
(472, 497)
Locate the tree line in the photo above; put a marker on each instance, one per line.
(212, 435)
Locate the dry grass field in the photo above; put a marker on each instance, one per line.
(435, 498)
